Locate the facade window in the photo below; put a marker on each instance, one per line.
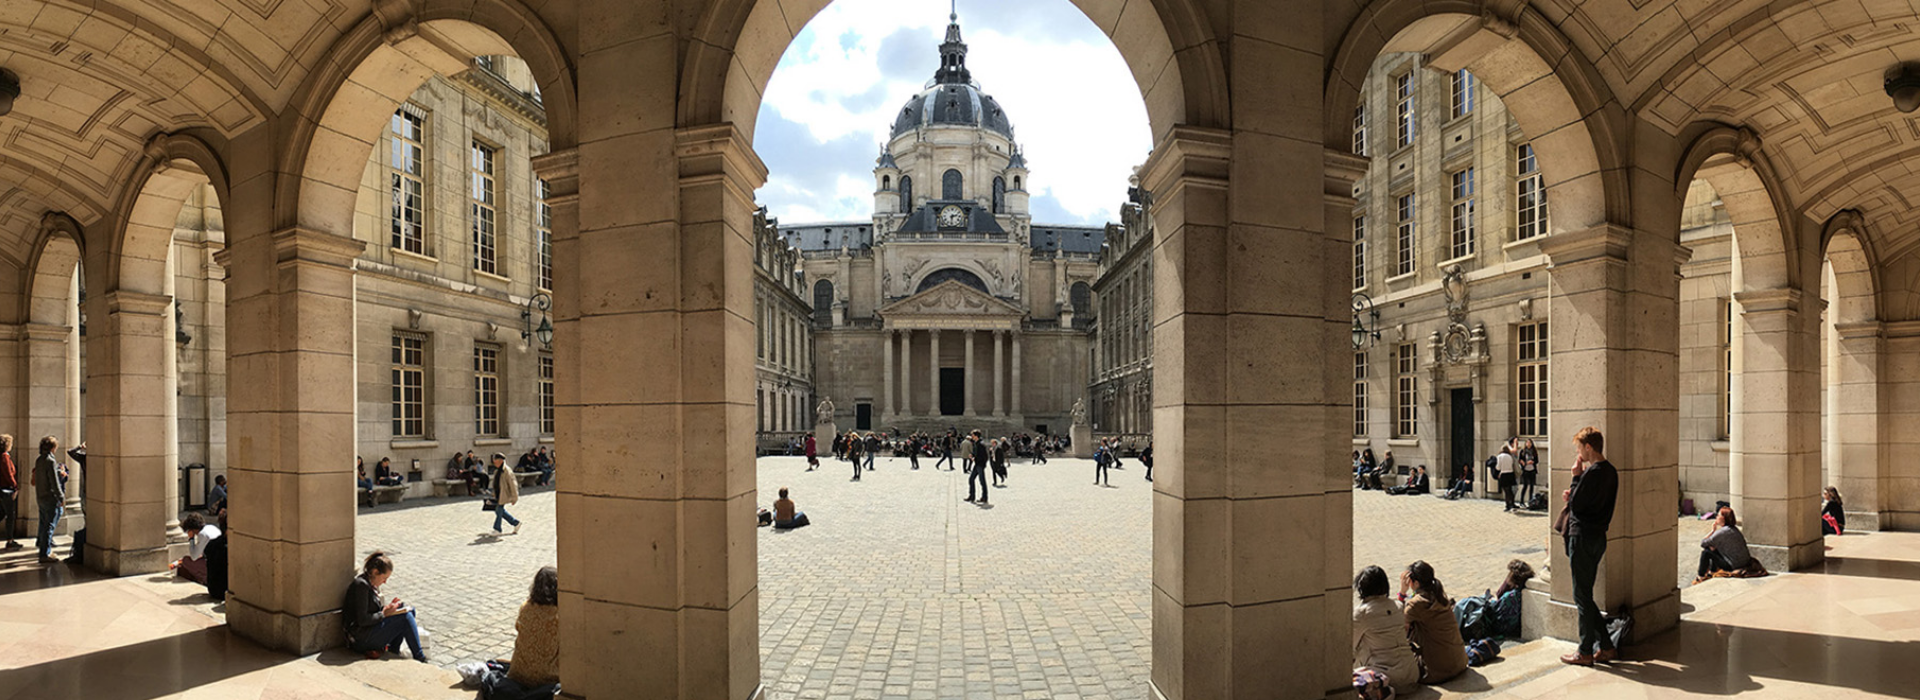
(407, 181)
(1462, 214)
(950, 185)
(546, 394)
(1406, 395)
(1359, 394)
(486, 390)
(1462, 93)
(999, 195)
(1360, 127)
(1530, 197)
(1403, 109)
(1404, 236)
(906, 194)
(1531, 384)
(409, 385)
(480, 190)
(1360, 251)
(543, 230)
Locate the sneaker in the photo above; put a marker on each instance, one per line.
(516, 530)
(15, 546)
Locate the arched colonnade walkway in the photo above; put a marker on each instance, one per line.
(650, 109)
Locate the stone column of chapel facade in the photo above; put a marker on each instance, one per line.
(933, 373)
(906, 375)
(130, 456)
(1775, 437)
(967, 382)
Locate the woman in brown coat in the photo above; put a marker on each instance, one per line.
(1431, 626)
(536, 646)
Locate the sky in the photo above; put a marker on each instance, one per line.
(831, 102)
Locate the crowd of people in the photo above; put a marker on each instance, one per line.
(1515, 470)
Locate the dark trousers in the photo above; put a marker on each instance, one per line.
(1584, 554)
(913, 456)
(977, 475)
(856, 467)
(1149, 469)
(9, 507)
(1100, 471)
(1506, 488)
(1711, 561)
(946, 457)
(389, 632)
(1528, 482)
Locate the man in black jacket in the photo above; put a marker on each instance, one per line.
(1590, 511)
(977, 471)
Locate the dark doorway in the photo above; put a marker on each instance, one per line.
(863, 416)
(1461, 428)
(953, 388)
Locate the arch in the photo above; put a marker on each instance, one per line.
(906, 194)
(1577, 126)
(950, 184)
(51, 267)
(140, 240)
(886, 182)
(823, 303)
(1856, 285)
(951, 274)
(1730, 159)
(1081, 296)
(1169, 46)
(344, 106)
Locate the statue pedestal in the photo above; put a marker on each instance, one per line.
(823, 434)
(1082, 437)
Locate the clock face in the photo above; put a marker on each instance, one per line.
(952, 217)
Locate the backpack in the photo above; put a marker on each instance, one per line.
(1471, 614)
(1539, 502)
(1481, 652)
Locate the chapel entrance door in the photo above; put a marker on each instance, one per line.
(953, 387)
(1460, 426)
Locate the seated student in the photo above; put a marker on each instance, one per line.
(193, 567)
(1833, 520)
(1505, 603)
(785, 516)
(360, 474)
(534, 670)
(1431, 627)
(1462, 484)
(216, 556)
(384, 475)
(372, 626)
(217, 498)
(1381, 651)
(1723, 549)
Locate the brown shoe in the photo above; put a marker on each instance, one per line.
(1606, 656)
(1577, 659)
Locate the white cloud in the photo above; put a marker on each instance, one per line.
(1073, 102)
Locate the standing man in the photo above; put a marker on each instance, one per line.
(977, 471)
(48, 478)
(1590, 506)
(871, 445)
(1503, 468)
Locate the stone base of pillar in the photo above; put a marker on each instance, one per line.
(72, 520)
(1542, 616)
(1781, 559)
(299, 635)
(1082, 437)
(823, 438)
(1867, 521)
(127, 562)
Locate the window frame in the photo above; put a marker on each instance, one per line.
(1404, 115)
(543, 234)
(546, 394)
(1360, 393)
(407, 226)
(1360, 127)
(1464, 241)
(1463, 84)
(1529, 195)
(1359, 251)
(404, 424)
(1532, 383)
(1406, 234)
(488, 391)
(1406, 360)
(483, 205)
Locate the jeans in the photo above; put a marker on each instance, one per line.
(799, 520)
(49, 519)
(946, 457)
(389, 632)
(1584, 553)
(500, 513)
(1528, 482)
(1711, 561)
(870, 459)
(1099, 470)
(979, 474)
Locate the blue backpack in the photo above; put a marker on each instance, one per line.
(1471, 614)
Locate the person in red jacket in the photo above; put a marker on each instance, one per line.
(813, 459)
(9, 489)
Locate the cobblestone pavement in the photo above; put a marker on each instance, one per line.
(901, 590)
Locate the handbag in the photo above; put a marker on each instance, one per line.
(489, 506)
(1560, 521)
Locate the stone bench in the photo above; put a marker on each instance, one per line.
(443, 488)
(388, 494)
(527, 478)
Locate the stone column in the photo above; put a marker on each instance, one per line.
(1775, 470)
(1854, 449)
(49, 409)
(1016, 386)
(999, 375)
(933, 373)
(967, 399)
(130, 454)
(906, 373)
(1614, 298)
(886, 371)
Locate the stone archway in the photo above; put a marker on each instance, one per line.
(1855, 451)
(48, 371)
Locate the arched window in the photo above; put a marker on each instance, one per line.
(886, 182)
(823, 303)
(937, 277)
(950, 185)
(906, 194)
(999, 194)
(1081, 296)
(1016, 182)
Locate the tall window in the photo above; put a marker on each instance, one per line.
(546, 394)
(906, 194)
(1462, 92)
(1529, 196)
(1403, 108)
(409, 385)
(1359, 394)
(1532, 381)
(543, 230)
(1406, 393)
(486, 390)
(481, 193)
(1462, 214)
(1403, 235)
(1360, 251)
(999, 195)
(1360, 127)
(406, 183)
(950, 184)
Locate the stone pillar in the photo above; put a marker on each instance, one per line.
(49, 410)
(967, 398)
(886, 371)
(999, 375)
(675, 596)
(1775, 469)
(130, 455)
(906, 373)
(933, 373)
(1854, 450)
(1614, 291)
(1015, 387)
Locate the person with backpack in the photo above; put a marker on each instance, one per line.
(1382, 653)
(1431, 627)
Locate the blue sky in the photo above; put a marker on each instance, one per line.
(828, 108)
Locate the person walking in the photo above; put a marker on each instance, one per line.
(977, 470)
(1590, 511)
(1529, 472)
(9, 491)
(853, 453)
(1146, 457)
(813, 459)
(506, 492)
(870, 446)
(1102, 456)
(913, 450)
(49, 485)
(1503, 469)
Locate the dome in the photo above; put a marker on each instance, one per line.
(952, 98)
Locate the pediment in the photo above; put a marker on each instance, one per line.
(951, 298)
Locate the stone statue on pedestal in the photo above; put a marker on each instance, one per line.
(1079, 411)
(823, 414)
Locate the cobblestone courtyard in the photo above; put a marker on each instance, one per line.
(900, 589)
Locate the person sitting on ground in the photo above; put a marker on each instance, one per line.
(1723, 549)
(372, 627)
(1504, 604)
(216, 556)
(193, 567)
(1416, 484)
(1431, 627)
(534, 670)
(543, 462)
(217, 498)
(1380, 646)
(1378, 479)
(785, 515)
(1462, 484)
(1833, 520)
